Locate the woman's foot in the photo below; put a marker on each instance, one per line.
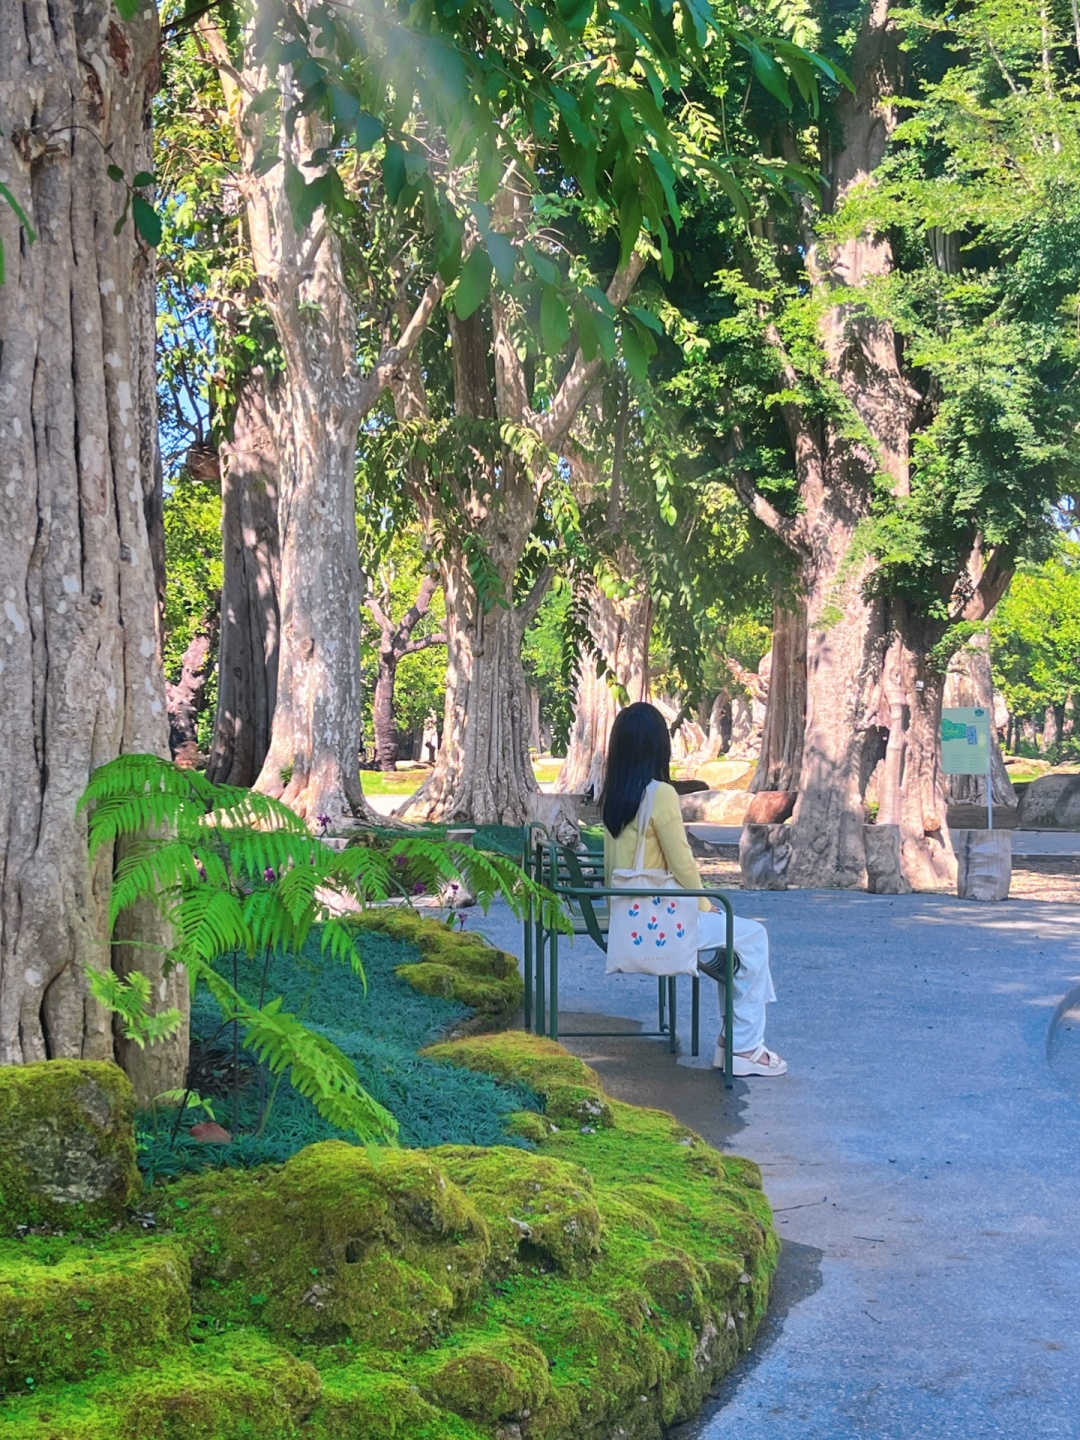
(750, 1062)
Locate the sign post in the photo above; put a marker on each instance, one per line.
(966, 748)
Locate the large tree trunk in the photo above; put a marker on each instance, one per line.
(312, 760)
(250, 615)
(185, 700)
(620, 631)
(785, 706)
(482, 773)
(80, 660)
(395, 642)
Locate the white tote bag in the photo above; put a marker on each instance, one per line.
(655, 934)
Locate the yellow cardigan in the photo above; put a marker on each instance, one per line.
(666, 846)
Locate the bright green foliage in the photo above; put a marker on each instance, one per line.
(67, 1154)
(1035, 638)
(234, 871)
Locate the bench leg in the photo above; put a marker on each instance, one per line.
(538, 960)
(695, 1013)
(527, 947)
(672, 1038)
(553, 987)
(661, 992)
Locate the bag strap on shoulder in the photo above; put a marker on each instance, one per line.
(644, 815)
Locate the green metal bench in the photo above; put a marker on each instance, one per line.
(577, 878)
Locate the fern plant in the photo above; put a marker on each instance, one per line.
(239, 877)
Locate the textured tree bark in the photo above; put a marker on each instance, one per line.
(785, 704)
(620, 631)
(80, 666)
(184, 699)
(250, 612)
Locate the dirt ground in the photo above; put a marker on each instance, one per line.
(1033, 877)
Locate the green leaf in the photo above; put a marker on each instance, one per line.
(636, 351)
(394, 172)
(545, 269)
(369, 131)
(144, 177)
(575, 14)
(770, 75)
(127, 9)
(20, 215)
(554, 320)
(501, 254)
(114, 172)
(147, 220)
(647, 318)
(474, 284)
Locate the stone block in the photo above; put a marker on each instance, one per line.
(725, 774)
(67, 1144)
(1052, 802)
(983, 864)
(715, 807)
(884, 871)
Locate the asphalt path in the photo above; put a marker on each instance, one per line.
(921, 1157)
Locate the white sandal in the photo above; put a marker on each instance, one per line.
(758, 1062)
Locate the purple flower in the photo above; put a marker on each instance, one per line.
(324, 821)
(268, 874)
(419, 888)
(200, 867)
(400, 860)
(461, 918)
(454, 887)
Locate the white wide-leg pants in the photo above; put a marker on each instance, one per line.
(753, 980)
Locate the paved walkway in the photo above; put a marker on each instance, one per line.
(921, 1158)
(1024, 842)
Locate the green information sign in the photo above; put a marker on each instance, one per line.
(965, 741)
(965, 746)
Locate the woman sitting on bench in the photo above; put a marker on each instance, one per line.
(638, 752)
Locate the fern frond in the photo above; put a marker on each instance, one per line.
(339, 937)
(154, 866)
(128, 998)
(210, 923)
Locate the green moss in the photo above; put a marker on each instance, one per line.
(537, 1209)
(363, 1404)
(598, 1285)
(504, 1378)
(67, 1144)
(337, 1243)
(236, 1388)
(454, 964)
(64, 1318)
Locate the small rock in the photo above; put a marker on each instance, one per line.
(209, 1132)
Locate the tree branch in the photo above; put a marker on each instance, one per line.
(530, 606)
(424, 643)
(378, 614)
(372, 385)
(420, 606)
(578, 380)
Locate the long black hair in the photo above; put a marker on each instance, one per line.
(638, 751)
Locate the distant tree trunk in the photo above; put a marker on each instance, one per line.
(250, 614)
(483, 772)
(620, 631)
(312, 760)
(185, 699)
(785, 706)
(395, 642)
(79, 513)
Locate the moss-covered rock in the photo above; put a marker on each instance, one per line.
(538, 1211)
(337, 1243)
(359, 1403)
(597, 1287)
(454, 964)
(235, 1388)
(504, 1378)
(67, 1144)
(65, 1315)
